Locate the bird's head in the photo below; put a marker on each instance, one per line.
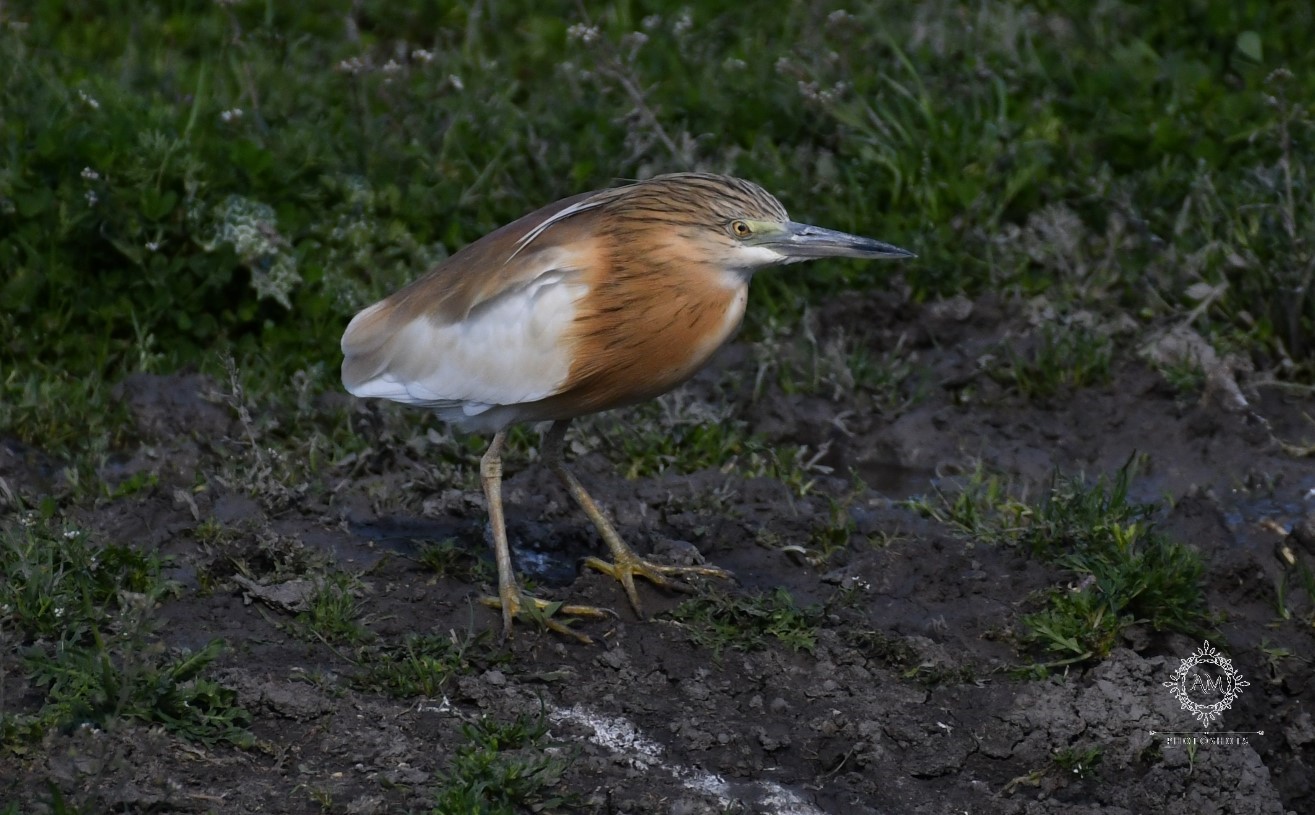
(736, 224)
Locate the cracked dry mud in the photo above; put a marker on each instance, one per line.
(924, 717)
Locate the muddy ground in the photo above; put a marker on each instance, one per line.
(906, 703)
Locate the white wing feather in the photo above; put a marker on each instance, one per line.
(508, 351)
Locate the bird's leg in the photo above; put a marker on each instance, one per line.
(510, 598)
(625, 562)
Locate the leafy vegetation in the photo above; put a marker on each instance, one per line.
(218, 186)
(1126, 572)
(87, 637)
(501, 769)
(239, 177)
(422, 664)
(748, 622)
(1064, 359)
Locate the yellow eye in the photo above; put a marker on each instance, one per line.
(741, 229)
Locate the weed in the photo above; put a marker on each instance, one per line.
(85, 614)
(1079, 762)
(106, 681)
(841, 363)
(748, 622)
(1061, 359)
(60, 587)
(423, 664)
(448, 558)
(334, 614)
(830, 536)
(1274, 656)
(834, 534)
(1185, 377)
(502, 769)
(1126, 571)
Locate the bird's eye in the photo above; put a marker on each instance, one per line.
(741, 229)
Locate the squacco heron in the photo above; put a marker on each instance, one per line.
(600, 300)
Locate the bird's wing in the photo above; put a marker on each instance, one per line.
(486, 327)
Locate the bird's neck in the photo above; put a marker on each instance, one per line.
(646, 328)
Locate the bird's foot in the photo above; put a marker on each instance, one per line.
(628, 565)
(554, 616)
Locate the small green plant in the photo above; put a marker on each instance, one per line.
(836, 530)
(748, 622)
(830, 536)
(1078, 761)
(85, 619)
(1126, 571)
(1185, 376)
(59, 586)
(648, 450)
(423, 664)
(334, 614)
(119, 680)
(448, 558)
(502, 769)
(1062, 358)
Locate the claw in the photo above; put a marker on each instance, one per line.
(516, 604)
(628, 565)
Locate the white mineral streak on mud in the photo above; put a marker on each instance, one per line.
(620, 735)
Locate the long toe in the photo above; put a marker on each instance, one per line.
(629, 566)
(556, 617)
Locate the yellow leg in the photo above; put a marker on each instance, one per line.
(626, 564)
(511, 599)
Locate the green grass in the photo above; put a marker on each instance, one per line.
(188, 180)
(1078, 761)
(423, 664)
(1060, 359)
(335, 611)
(449, 558)
(844, 362)
(218, 187)
(87, 641)
(502, 768)
(1125, 571)
(748, 622)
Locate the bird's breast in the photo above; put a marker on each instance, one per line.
(635, 339)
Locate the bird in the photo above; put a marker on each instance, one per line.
(601, 300)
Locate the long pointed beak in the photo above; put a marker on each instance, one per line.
(804, 242)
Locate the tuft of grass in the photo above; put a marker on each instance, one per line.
(423, 664)
(1126, 572)
(86, 629)
(1185, 377)
(1061, 359)
(830, 536)
(1081, 762)
(335, 611)
(750, 622)
(447, 558)
(58, 586)
(839, 363)
(104, 681)
(1114, 158)
(676, 433)
(836, 530)
(502, 769)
